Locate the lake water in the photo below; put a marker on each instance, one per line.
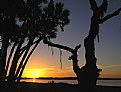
(99, 82)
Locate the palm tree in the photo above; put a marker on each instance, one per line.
(30, 22)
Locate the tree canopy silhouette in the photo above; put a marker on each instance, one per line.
(23, 24)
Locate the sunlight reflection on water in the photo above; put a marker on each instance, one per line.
(33, 80)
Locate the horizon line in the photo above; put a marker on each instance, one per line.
(66, 78)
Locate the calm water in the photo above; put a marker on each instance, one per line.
(99, 82)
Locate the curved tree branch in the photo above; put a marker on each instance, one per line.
(110, 16)
(24, 48)
(73, 51)
(58, 46)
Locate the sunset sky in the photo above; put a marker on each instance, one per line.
(108, 50)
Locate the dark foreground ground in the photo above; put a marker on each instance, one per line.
(60, 87)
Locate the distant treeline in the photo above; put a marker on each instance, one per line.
(69, 78)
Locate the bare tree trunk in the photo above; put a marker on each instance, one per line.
(89, 73)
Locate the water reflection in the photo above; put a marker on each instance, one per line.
(33, 80)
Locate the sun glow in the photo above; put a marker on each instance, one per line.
(33, 73)
(33, 80)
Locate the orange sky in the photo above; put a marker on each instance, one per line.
(44, 64)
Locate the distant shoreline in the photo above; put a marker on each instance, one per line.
(69, 78)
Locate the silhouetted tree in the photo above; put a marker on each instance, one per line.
(87, 75)
(90, 71)
(23, 24)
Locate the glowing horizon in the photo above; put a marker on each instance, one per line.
(47, 72)
(57, 72)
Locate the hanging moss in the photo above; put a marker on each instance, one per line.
(52, 51)
(60, 58)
